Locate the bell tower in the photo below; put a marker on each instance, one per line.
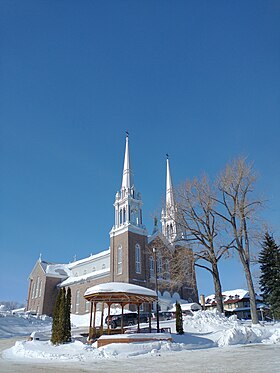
(128, 236)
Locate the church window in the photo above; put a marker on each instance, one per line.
(77, 301)
(33, 290)
(119, 260)
(152, 267)
(37, 287)
(124, 215)
(167, 231)
(121, 216)
(137, 258)
(40, 288)
(171, 229)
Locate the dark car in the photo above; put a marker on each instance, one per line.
(128, 319)
(163, 315)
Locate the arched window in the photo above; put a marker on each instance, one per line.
(137, 258)
(77, 301)
(40, 288)
(124, 215)
(121, 217)
(103, 266)
(167, 231)
(37, 287)
(152, 267)
(171, 229)
(33, 290)
(119, 260)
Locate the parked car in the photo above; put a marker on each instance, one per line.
(129, 319)
(163, 315)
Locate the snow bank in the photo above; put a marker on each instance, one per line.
(226, 331)
(21, 325)
(205, 329)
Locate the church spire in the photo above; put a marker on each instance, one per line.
(168, 221)
(169, 199)
(127, 179)
(128, 202)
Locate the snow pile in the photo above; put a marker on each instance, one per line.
(77, 351)
(209, 321)
(226, 331)
(21, 325)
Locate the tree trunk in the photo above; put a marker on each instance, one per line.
(218, 287)
(253, 304)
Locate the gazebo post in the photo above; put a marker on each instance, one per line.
(122, 318)
(138, 321)
(108, 318)
(94, 315)
(101, 321)
(150, 317)
(90, 322)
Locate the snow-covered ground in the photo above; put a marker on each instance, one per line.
(204, 330)
(22, 324)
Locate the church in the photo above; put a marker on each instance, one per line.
(133, 256)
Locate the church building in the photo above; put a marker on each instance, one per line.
(133, 256)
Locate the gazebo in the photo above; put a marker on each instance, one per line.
(117, 293)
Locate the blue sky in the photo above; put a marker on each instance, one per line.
(197, 79)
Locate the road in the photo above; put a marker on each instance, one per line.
(257, 358)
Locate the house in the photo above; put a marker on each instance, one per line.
(237, 302)
(133, 256)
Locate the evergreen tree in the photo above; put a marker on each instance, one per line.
(62, 321)
(55, 322)
(68, 316)
(269, 260)
(179, 319)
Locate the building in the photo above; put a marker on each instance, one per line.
(237, 302)
(133, 256)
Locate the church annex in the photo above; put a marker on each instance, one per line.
(134, 256)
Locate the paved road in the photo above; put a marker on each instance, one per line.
(248, 359)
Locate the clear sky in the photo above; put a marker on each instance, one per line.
(197, 79)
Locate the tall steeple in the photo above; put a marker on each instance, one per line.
(127, 179)
(168, 215)
(169, 186)
(128, 203)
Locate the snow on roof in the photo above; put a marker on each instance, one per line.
(231, 294)
(88, 259)
(57, 270)
(74, 279)
(120, 287)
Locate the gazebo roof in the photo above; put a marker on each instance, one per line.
(120, 292)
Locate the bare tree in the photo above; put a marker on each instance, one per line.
(175, 266)
(202, 230)
(238, 210)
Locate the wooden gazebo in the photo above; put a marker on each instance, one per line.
(117, 293)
